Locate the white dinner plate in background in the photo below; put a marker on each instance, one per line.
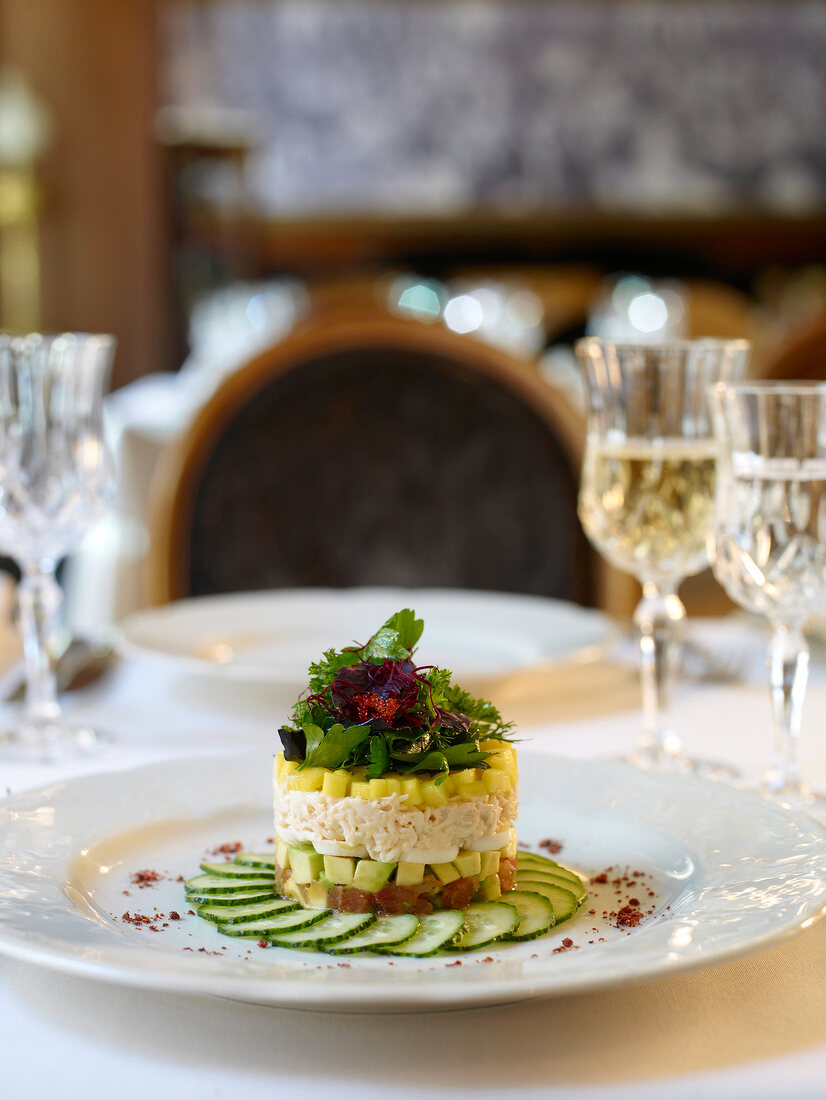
(272, 637)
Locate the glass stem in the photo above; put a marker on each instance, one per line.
(659, 617)
(788, 662)
(40, 600)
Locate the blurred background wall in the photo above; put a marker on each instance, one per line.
(176, 147)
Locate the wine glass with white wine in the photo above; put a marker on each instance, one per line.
(646, 496)
(769, 544)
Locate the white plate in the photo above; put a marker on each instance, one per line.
(730, 872)
(273, 636)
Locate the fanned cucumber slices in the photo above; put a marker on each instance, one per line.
(240, 899)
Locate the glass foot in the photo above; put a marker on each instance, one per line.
(668, 758)
(799, 797)
(51, 742)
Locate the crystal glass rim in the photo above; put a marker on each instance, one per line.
(757, 386)
(104, 338)
(736, 343)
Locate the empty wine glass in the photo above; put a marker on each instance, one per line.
(646, 496)
(769, 542)
(55, 476)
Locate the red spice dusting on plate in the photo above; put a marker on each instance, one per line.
(629, 916)
(174, 915)
(552, 846)
(457, 963)
(143, 879)
(228, 849)
(600, 878)
(263, 943)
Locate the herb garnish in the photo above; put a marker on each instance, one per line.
(371, 706)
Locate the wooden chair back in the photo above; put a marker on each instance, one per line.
(373, 450)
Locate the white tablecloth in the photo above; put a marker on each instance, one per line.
(754, 1028)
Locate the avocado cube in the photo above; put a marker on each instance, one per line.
(489, 863)
(445, 872)
(371, 875)
(339, 869)
(315, 895)
(491, 888)
(305, 865)
(409, 874)
(291, 889)
(468, 863)
(282, 854)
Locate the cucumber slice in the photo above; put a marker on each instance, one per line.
(436, 930)
(536, 915)
(563, 901)
(526, 860)
(387, 932)
(235, 870)
(523, 857)
(256, 859)
(221, 884)
(270, 926)
(332, 929)
(531, 875)
(245, 897)
(237, 914)
(487, 921)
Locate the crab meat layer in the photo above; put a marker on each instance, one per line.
(386, 827)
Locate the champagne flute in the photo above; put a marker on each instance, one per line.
(769, 542)
(55, 476)
(646, 496)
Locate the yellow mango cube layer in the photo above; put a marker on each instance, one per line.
(413, 789)
(394, 784)
(359, 789)
(433, 795)
(495, 781)
(448, 786)
(474, 789)
(291, 767)
(378, 788)
(311, 779)
(336, 784)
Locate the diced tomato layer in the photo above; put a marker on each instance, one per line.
(507, 873)
(420, 899)
(457, 895)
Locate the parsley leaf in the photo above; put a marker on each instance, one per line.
(335, 746)
(378, 755)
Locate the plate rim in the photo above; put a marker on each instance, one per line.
(439, 991)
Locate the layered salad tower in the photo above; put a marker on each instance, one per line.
(396, 791)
